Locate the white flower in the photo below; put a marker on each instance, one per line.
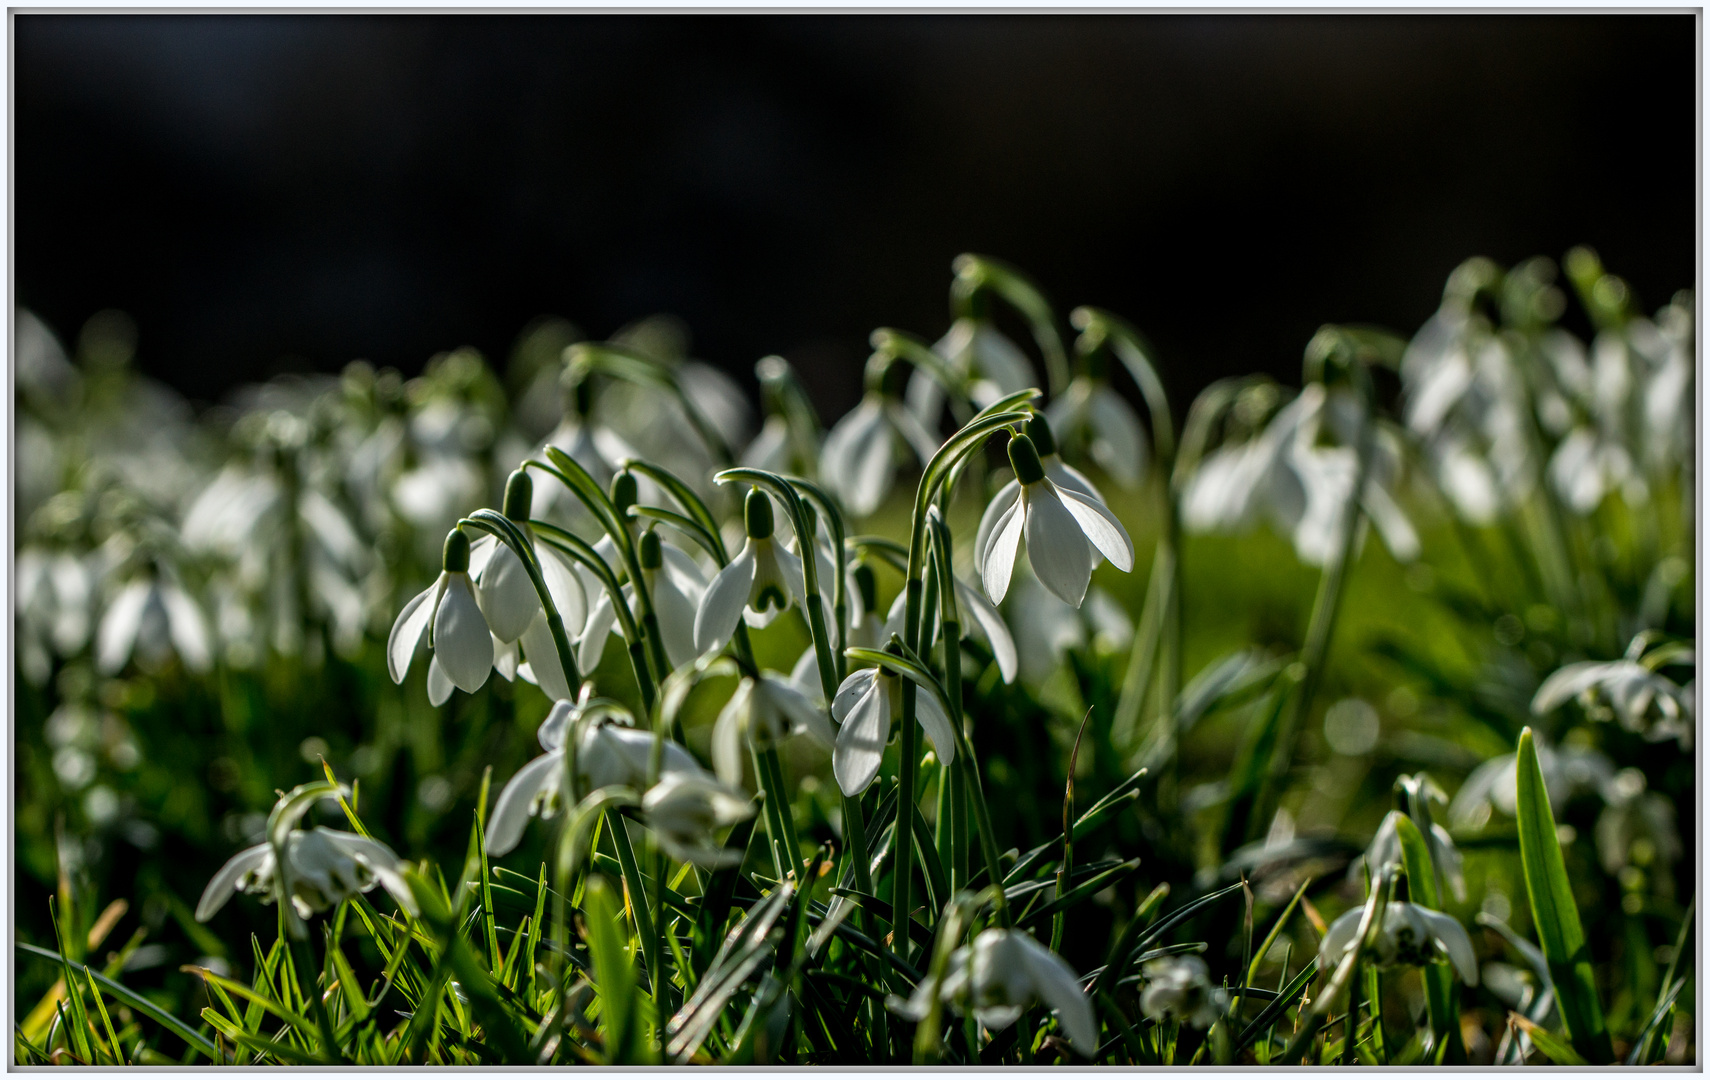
(763, 711)
(1058, 524)
(1568, 771)
(55, 595)
(1000, 975)
(1385, 849)
(462, 644)
(327, 867)
(595, 447)
(770, 449)
(972, 348)
(1411, 936)
(865, 705)
(860, 457)
(607, 755)
(1179, 988)
(1090, 409)
(676, 585)
(1637, 828)
(152, 616)
(1641, 699)
(684, 811)
(764, 579)
(981, 621)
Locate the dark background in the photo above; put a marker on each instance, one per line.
(271, 193)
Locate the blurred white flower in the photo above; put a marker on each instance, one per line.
(762, 581)
(685, 811)
(151, 617)
(1410, 936)
(980, 620)
(1058, 524)
(1568, 771)
(1179, 988)
(975, 350)
(1638, 827)
(860, 457)
(865, 705)
(447, 616)
(55, 608)
(1090, 410)
(1640, 699)
(763, 711)
(327, 867)
(607, 754)
(1003, 973)
(1385, 849)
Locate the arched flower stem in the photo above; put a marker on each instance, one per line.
(507, 532)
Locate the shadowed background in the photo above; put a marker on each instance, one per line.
(274, 193)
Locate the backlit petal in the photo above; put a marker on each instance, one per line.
(1056, 545)
(861, 742)
(722, 605)
(1000, 553)
(407, 632)
(1102, 528)
(461, 641)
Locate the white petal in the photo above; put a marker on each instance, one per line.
(790, 565)
(189, 630)
(1339, 938)
(1056, 545)
(936, 725)
(542, 654)
(727, 735)
(1453, 940)
(853, 688)
(564, 585)
(857, 458)
(805, 718)
(480, 553)
(1120, 445)
(1069, 478)
(511, 813)
(461, 641)
(993, 628)
(723, 602)
(439, 684)
(602, 623)
(1392, 524)
(861, 742)
(1000, 553)
(506, 656)
(1102, 528)
(506, 595)
(407, 632)
(118, 632)
(913, 432)
(676, 612)
(1059, 987)
(1000, 504)
(222, 884)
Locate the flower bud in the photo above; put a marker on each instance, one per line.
(1024, 459)
(651, 557)
(757, 514)
(623, 491)
(456, 559)
(519, 496)
(868, 585)
(1039, 430)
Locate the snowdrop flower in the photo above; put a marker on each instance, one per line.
(1588, 465)
(151, 617)
(1410, 936)
(503, 588)
(762, 712)
(607, 754)
(762, 580)
(1637, 828)
(1626, 690)
(1568, 771)
(1000, 975)
(1058, 524)
(327, 867)
(860, 457)
(55, 607)
(865, 705)
(685, 811)
(1089, 408)
(1179, 988)
(595, 447)
(1385, 849)
(447, 616)
(976, 350)
(980, 620)
(676, 586)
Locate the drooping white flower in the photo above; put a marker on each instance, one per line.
(973, 349)
(448, 617)
(1641, 699)
(864, 707)
(1568, 770)
(1410, 936)
(595, 447)
(55, 600)
(1637, 827)
(1062, 529)
(607, 754)
(685, 811)
(1090, 410)
(981, 621)
(1385, 849)
(1003, 973)
(676, 586)
(327, 867)
(764, 579)
(503, 588)
(861, 455)
(1179, 988)
(152, 617)
(762, 712)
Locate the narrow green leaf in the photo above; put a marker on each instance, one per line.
(143, 1005)
(1422, 887)
(1554, 915)
(614, 970)
(1547, 1041)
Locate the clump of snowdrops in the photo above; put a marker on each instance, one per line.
(891, 759)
